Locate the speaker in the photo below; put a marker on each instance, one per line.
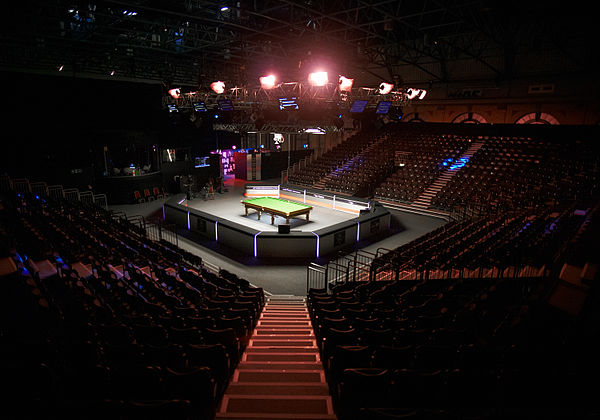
(283, 228)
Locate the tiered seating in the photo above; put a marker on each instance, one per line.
(99, 322)
(332, 159)
(480, 318)
(521, 244)
(511, 171)
(460, 348)
(427, 155)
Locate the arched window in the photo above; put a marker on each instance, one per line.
(414, 117)
(470, 118)
(537, 118)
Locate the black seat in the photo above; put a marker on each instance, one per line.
(157, 410)
(364, 387)
(394, 357)
(137, 383)
(213, 356)
(346, 357)
(196, 385)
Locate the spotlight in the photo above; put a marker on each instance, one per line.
(346, 84)
(175, 93)
(385, 88)
(318, 78)
(412, 93)
(267, 82)
(218, 87)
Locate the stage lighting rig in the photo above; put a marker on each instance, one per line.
(345, 84)
(318, 78)
(218, 87)
(385, 88)
(267, 82)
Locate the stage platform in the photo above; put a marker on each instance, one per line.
(334, 223)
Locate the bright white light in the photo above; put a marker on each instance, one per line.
(346, 84)
(318, 78)
(218, 87)
(267, 82)
(412, 93)
(385, 88)
(175, 93)
(224, 8)
(317, 130)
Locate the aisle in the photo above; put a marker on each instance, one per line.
(280, 375)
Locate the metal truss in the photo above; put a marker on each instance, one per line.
(194, 42)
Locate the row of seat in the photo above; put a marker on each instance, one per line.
(147, 194)
(98, 296)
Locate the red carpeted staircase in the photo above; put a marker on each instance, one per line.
(280, 375)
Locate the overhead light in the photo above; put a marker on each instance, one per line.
(346, 84)
(317, 130)
(385, 88)
(267, 82)
(218, 87)
(412, 93)
(60, 68)
(224, 8)
(318, 78)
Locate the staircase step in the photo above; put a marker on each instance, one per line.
(279, 349)
(262, 332)
(296, 376)
(277, 416)
(280, 374)
(284, 324)
(258, 342)
(283, 357)
(260, 388)
(272, 365)
(277, 404)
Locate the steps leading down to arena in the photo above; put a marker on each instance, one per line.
(280, 375)
(423, 201)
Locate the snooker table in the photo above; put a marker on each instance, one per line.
(276, 207)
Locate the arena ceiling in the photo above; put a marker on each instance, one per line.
(194, 42)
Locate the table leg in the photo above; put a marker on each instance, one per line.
(272, 219)
(258, 215)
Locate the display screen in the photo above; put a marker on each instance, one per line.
(288, 103)
(383, 107)
(225, 105)
(200, 106)
(201, 162)
(172, 108)
(358, 105)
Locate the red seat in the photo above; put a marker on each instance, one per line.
(138, 197)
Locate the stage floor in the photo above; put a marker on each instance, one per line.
(284, 277)
(229, 206)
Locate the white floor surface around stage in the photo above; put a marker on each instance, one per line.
(229, 206)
